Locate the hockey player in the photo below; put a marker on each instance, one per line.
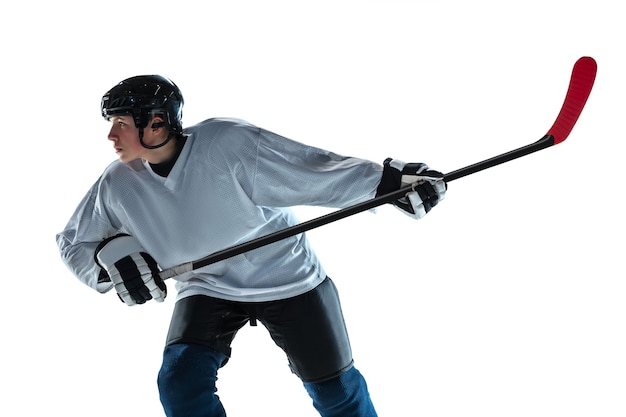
(177, 194)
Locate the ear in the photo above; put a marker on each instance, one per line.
(157, 122)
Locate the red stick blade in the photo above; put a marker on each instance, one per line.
(583, 77)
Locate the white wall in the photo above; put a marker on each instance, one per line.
(508, 299)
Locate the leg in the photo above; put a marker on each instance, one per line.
(198, 344)
(311, 330)
(342, 396)
(187, 381)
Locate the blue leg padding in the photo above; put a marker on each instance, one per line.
(187, 381)
(343, 396)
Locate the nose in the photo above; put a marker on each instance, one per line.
(112, 134)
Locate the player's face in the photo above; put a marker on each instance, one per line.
(125, 138)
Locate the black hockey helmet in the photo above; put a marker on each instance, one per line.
(143, 97)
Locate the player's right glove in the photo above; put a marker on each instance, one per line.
(429, 187)
(133, 272)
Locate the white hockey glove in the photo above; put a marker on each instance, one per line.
(429, 187)
(133, 272)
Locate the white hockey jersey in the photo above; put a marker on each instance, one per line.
(232, 182)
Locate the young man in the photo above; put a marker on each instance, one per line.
(177, 195)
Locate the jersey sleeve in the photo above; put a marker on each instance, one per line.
(289, 173)
(82, 234)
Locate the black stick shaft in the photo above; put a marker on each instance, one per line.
(543, 143)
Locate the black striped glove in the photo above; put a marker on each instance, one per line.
(133, 272)
(428, 190)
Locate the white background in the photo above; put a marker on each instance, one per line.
(507, 300)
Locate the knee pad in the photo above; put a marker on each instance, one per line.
(342, 396)
(187, 380)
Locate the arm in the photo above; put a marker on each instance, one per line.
(314, 176)
(78, 241)
(278, 172)
(289, 173)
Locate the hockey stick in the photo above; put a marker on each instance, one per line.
(581, 83)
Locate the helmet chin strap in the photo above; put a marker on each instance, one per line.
(169, 137)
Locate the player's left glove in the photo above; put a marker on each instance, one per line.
(429, 187)
(134, 272)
